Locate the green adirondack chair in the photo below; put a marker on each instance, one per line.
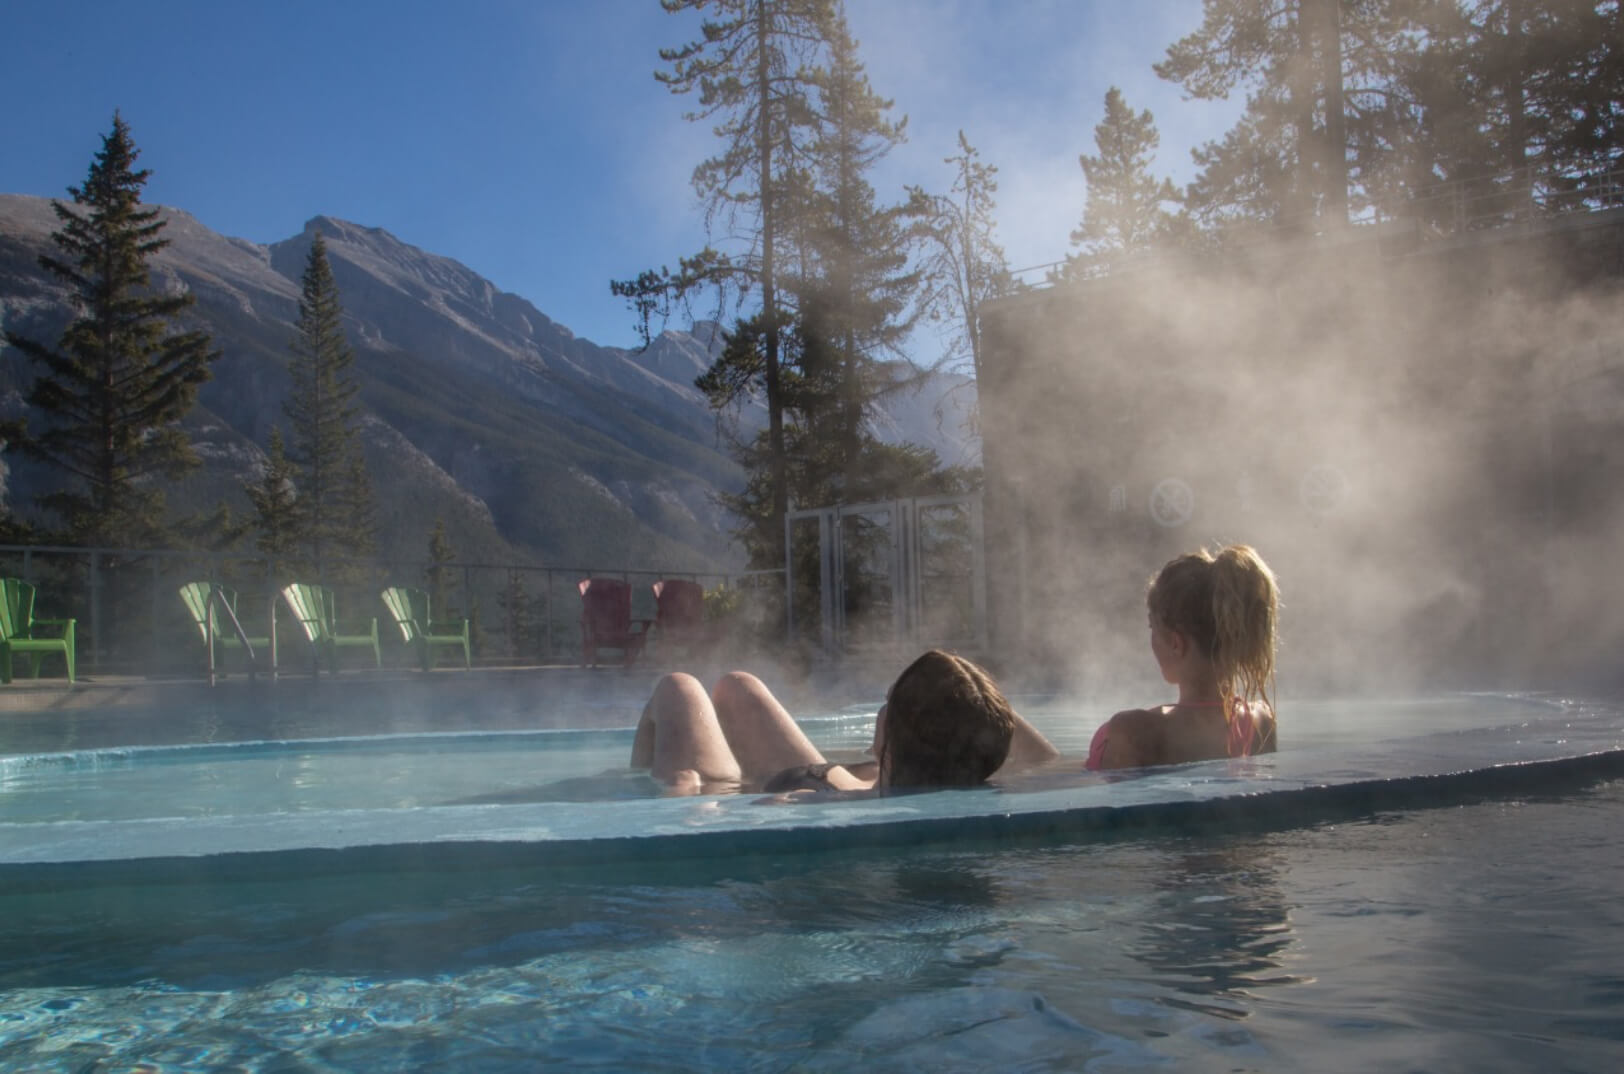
(227, 633)
(411, 611)
(313, 607)
(21, 633)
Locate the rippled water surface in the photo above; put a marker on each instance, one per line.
(1480, 937)
(1485, 933)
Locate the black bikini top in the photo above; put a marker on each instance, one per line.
(802, 777)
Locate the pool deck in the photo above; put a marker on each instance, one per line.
(137, 691)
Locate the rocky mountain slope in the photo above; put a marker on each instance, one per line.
(533, 445)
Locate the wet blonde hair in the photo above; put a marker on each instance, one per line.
(946, 724)
(1226, 605)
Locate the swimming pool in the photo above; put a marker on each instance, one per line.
(1440, 891)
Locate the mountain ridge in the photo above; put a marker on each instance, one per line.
(532, 443)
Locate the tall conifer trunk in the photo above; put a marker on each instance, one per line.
(769, 298)
(1336, 137)
(1516, 107)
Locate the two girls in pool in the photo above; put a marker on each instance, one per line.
(945, 723)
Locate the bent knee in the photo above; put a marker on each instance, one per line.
(736, 686)
(676, 684)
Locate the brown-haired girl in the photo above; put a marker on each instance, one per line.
(1212, 630)
(945, 723)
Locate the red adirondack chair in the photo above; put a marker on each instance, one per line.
(607, 623)
(679, 615)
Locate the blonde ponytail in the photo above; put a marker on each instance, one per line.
(1245, 605)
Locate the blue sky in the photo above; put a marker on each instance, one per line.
(528, 138)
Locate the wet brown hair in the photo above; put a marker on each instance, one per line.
(1226, 604)
(946, 725)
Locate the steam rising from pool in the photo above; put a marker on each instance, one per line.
(1422, 439)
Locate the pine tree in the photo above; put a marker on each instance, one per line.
(360, 531)
(518, 616)
(738, 373)
(1355, 105)
(964, 266)
(802, 129)
(1257, 170)
(438, 575)
(441, 579)
(751, 69)
(1322, 120)
(335, 514)
(1125, 212)
(1514, 96)
(1589, 133)
(856, 289)
(276, 505)
(121, 378)
(820, 470)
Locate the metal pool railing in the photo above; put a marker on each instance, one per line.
(131, 619)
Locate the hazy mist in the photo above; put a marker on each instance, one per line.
(1424, 441)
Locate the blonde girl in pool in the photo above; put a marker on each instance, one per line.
(1212, 631)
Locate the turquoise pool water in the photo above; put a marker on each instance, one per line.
(1438, 896)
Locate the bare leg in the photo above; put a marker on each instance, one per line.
(764, 738)
(680, 741)
(643, 742)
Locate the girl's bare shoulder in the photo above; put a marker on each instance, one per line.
(1128, 719)
(1133, 737)
(1267, 734)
